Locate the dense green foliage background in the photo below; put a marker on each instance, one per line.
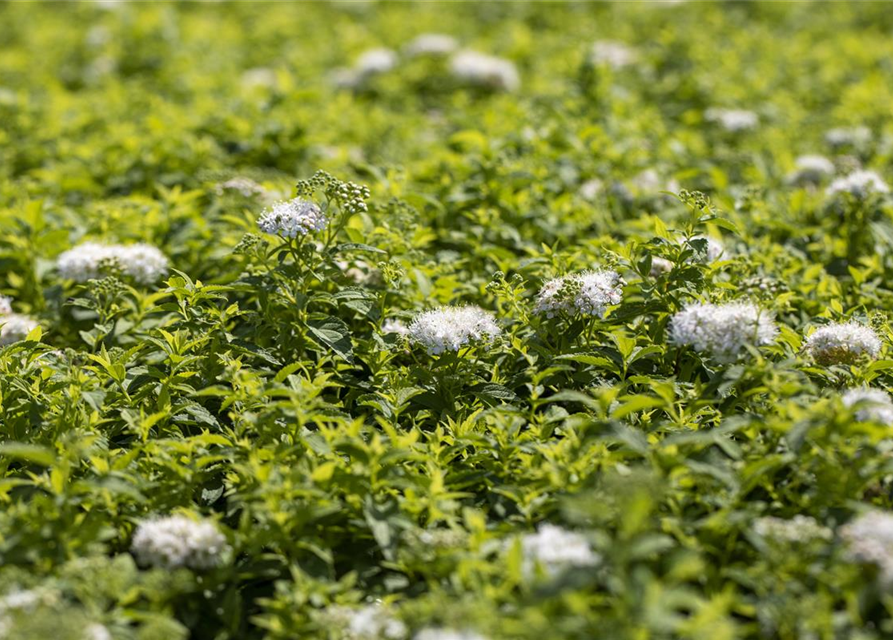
(345, 464)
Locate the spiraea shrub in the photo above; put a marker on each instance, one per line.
(446, 321)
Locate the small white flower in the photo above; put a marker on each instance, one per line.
(178, 541)
(487, 71)
(292, 218)
(25, 600)
(258, 77)
(870, 541)
(799, 529)
(660, 266)
(613, 54)
(872, 405)
(97, 631)
(733, 119)
(246, 187)
(373, 621)
(589, 293)
(15, 327)
(451, 328)
(811, 169)
(591, 188)
(143, 262)
(436, 633)
(842, 137)
(859, 184)
(375, 62)
(392, 325)
(5, 305)
(556, 549)
(722, 330)
(432, 44)
(344, 78)
(842, 343)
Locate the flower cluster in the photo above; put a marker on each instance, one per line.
(649, 183)
(811, 169)
(842, 137)
(91, 260)
(292, 218)
(612, 54)
(351, 197)
(15, 327)
(97, 631)
(859, 184)
(842, 343)
(872, 405)
(798, 530)
(722, 330)
(179, 541)
(371, 622)
(870, 540)
(369, 64)
(733, 120)
(589, 293)
(431, 44)
(483, 70)
(451, 328)
(394, 325)
(555, 549)
(246, 187)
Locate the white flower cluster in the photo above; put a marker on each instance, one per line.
(246, 187)
(811, 169)
(143, 262)
(872, 405)
(436, 633)
(589, 293)
(555, 549)
(13, 326)
(179, 541)
(649, 183)
(18, 602)
(371, 622)
(722, 330)
(292, 218)
(258, 77)
(842, 137)
(369, 64)
(859, 184)
(870, 540)
(733, 119)
(394, 325)
(375, 61)
(799, 529)
(612, 54)
(451, 328)
(97, 631)
(431, 44)
(483, 70)
(842, 343)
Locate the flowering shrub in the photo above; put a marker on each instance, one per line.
(482, 321)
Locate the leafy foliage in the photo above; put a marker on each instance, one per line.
(268, 385)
